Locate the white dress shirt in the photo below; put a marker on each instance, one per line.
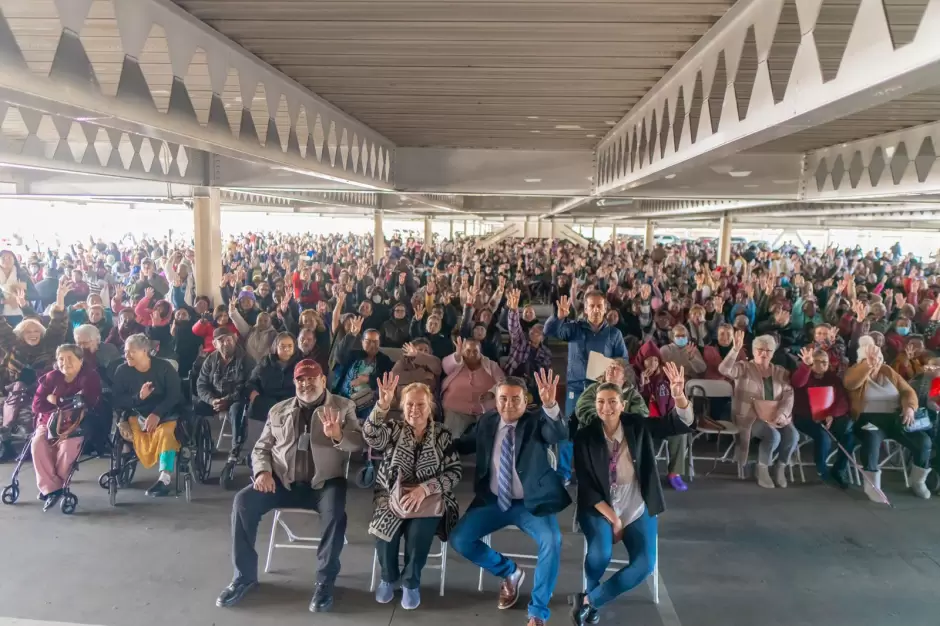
(504, 426)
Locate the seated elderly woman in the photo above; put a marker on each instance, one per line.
(619, 373)
(148, 394)
(56, 446)
(815, 373)
(619, 491)
(102, 356)
(884, 406)
(761, 407)
(414, 490)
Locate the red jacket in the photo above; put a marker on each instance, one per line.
(205, 328)
(306, 294)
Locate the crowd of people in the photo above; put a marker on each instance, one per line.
(315, 353)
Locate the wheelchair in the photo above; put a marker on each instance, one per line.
(68, 501)
(193, 460)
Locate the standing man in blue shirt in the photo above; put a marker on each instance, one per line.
(583, 336)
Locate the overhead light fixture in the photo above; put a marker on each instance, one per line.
(784, 181)
(590, 136)
(739, 174)
(533, 117)
(567, 127)
(669, 176)
(535, 131)
(611, 123)
(722, 169)
(533, 180)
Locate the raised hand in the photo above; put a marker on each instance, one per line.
(419, 311)
(149, 293)
(332, 425)
(676, 376)
(512, 299)
(738, 340)
(807, 355)
(458, 354)
(387, 386)
(547, 383)
(409, 350)
(899, 300)
(564, 307)
(355, 325)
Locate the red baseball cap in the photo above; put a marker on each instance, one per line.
(307, 368)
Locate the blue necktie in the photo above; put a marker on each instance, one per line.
(506, 461)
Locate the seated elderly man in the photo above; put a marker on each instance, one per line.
(222, 380)
(299, 463)
(360, 369)
(148, 394)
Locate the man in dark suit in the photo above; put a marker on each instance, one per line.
(516, 485)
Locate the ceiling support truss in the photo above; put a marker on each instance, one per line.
(253, 112)
(898, 163)
(735, 89)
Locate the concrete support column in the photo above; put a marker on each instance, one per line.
(613, 233)
(594, 231)
(466, 233)
(452, 230)
(724, 241)
(648, 239)
(428, 234)
(207, 228)
(378, 237)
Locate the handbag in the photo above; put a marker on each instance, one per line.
(921, 421)
(431, 506)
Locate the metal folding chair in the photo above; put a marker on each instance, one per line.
(440, 556)
(293, 539)
(705, 390)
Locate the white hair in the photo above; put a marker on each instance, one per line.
(87, 332)
(138, 341)
(767, 342)
(29, 321)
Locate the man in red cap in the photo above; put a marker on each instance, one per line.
(299, 462)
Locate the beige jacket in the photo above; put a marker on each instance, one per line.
(277, 447)
(749, 386)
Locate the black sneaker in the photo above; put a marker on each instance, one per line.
(158, 490)
(322, 600)
(840, 478)
(51, 499)
(233, 594)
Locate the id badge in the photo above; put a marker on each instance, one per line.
(303, 444)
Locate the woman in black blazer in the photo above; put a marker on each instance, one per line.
(619, 493)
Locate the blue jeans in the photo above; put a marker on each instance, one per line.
(640, 540)
(566, 448)
(841, 428)
(483, 520)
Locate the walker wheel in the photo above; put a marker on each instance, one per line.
(69, 503)
(112, 490)
(11, 493)
(188, 487)
(365, 477)
(104, 480)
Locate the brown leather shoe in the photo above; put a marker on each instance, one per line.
(509, 589)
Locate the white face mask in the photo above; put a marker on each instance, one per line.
(377, 298)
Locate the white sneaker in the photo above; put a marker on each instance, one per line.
(780, 475)
(875, 478)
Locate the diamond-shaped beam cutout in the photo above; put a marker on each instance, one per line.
(899, 163)
(925, 159)
(838, 171)
(876, 166)
(822, 172)
(856, 168)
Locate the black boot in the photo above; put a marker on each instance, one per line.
(322, 600)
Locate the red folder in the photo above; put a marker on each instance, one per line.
(821, 400)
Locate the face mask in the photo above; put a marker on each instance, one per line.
(682, 341)
(377, 299)
(903, 330)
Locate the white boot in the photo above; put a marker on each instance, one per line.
(875, 478)
(919, 482)
(763, 477)
(780, 475)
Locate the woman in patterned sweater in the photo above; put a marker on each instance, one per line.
(419, 455)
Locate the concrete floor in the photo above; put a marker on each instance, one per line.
(732, 554)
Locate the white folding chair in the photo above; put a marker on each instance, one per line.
(616, 564)
(293, 539)
(525, 561)
(223, 417)
(708, 389)
(441, 564)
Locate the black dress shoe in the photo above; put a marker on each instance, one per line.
(158, 490)
(51, 499)
(582, 613)
(322, 600)
(233, 594)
